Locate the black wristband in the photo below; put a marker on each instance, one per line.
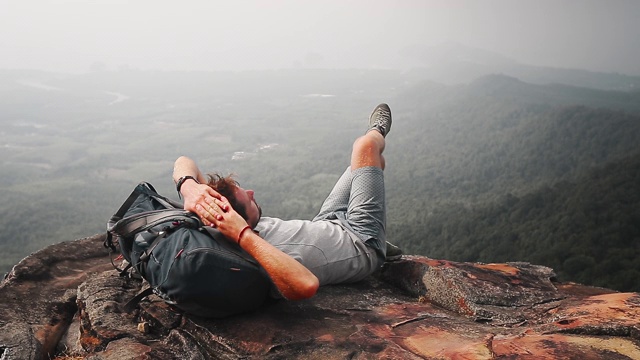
(182, 180)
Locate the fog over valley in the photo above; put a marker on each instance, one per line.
(79, 36)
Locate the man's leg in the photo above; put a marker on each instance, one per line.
(366, 210)
(367, 149)
(360, 193)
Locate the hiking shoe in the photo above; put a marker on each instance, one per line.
(380, 119)
(393, 252)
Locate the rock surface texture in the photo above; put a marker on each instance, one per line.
(66, 302)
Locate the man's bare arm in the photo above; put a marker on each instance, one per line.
(293, 280)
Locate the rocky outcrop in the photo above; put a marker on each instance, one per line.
(38, 297)
(67, 300)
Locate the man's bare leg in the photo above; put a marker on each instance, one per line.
(367, 149)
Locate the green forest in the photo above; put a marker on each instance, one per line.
(493, 170)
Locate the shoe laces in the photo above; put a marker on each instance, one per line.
(382, 117)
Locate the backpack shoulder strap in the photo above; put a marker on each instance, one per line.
(148, 219)
(142, 187)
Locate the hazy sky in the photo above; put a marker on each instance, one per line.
(73, 35)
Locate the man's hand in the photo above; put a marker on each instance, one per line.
(213, 209)
(221, 215)
(200, 199)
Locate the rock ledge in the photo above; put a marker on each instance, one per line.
(67, 300)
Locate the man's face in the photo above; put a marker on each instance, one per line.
(245, 199)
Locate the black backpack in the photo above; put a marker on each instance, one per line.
(188, 265)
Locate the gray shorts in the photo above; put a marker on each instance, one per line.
(358, 202)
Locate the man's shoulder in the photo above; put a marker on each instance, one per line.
(274, 220)
(266, 222)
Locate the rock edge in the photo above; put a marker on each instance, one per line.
(67, 300)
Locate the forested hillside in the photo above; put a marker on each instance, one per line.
(588, 229)
(508, 171)
(494, 170)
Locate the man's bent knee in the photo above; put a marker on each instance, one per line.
(367, 151)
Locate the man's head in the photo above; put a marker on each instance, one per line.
(240, 199)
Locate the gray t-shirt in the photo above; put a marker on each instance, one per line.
(330, 251)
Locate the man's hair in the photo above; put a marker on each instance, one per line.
(226, 186)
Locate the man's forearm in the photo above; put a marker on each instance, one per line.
(184, 166)
(293, 280)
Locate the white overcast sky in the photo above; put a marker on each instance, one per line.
(73, 35)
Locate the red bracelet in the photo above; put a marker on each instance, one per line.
(242, 232)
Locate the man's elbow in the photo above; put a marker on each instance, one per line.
(306, 288)
(312, 287)
(181, 159)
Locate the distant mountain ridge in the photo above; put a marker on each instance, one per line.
(555, 94)
(514, 92)
(452, 63)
